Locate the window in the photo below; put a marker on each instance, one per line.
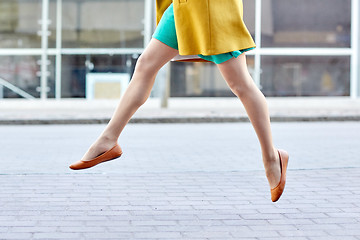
(19, 24)
(305, 76)
(103, 24)
(306, 23)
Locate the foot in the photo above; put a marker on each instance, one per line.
(279, 189)
(273, 169)
(100, 146)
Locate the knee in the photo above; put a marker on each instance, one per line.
(144, 65)
(240, 89)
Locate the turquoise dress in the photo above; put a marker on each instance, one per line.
(166, 33)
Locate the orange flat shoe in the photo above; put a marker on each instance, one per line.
(279, 189)
(111, 154)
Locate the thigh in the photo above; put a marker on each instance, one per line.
(235, 70)
(156, 55)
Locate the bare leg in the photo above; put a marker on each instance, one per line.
(242, 85)
(151, 60)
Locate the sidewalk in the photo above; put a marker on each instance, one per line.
(181, 182)
(190, 206)
(80, 111)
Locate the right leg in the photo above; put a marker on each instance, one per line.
(156, 55)
(242, 85)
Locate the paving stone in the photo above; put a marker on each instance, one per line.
(291, 221)
(107, 235)
(4, 229)
(247, 222)
(82, 229)
(153, 223)
(350, 226)
(6, 236)
(200, 223)
(56, 235)
(335, 220)
(157, 235)
(254, 234)
(302, 233)
(219, 217)
(17, 223)
(33, 229)
(288, 238)
(268, 227)
(152, 212)
(334, 238)
(343, 232)
(319, 226)
(54, 222)
(177, 228)
(109, 223)
(207, 234)
(176, 217)
(134, 228)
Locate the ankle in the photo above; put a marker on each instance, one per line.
(107, 139)
(270, 156)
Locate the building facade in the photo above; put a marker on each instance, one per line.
(50, 48)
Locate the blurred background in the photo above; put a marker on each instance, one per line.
(88, 49)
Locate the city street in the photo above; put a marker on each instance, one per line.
(191, 167)
(180, 181)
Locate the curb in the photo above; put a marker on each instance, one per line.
(178, 120)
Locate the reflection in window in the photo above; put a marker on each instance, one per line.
(19, 24)
(200, 80)
(249, 16)
(306, 23)
(305, 76)
(103, 24)
(23, 72)
(75, 67)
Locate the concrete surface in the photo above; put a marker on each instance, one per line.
(80, 111)
(180, 181)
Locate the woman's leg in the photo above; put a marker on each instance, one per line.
(149, 63)
(242, 85)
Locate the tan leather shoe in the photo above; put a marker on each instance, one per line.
(111, 154)
(279, 189)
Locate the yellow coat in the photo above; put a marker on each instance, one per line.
(208, 27)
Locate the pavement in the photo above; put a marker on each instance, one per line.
(180, 181)
(192, 205)
(200, 177)
(179, 110)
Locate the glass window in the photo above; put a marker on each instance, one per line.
(103, 24)
(197, 80)
(249, 16)
(200, 79)
(75, 67)
(306, 23)
(23, 72)
(305, 76)
(19, 24)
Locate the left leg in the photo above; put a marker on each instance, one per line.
(151, 60)
(242, 85)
